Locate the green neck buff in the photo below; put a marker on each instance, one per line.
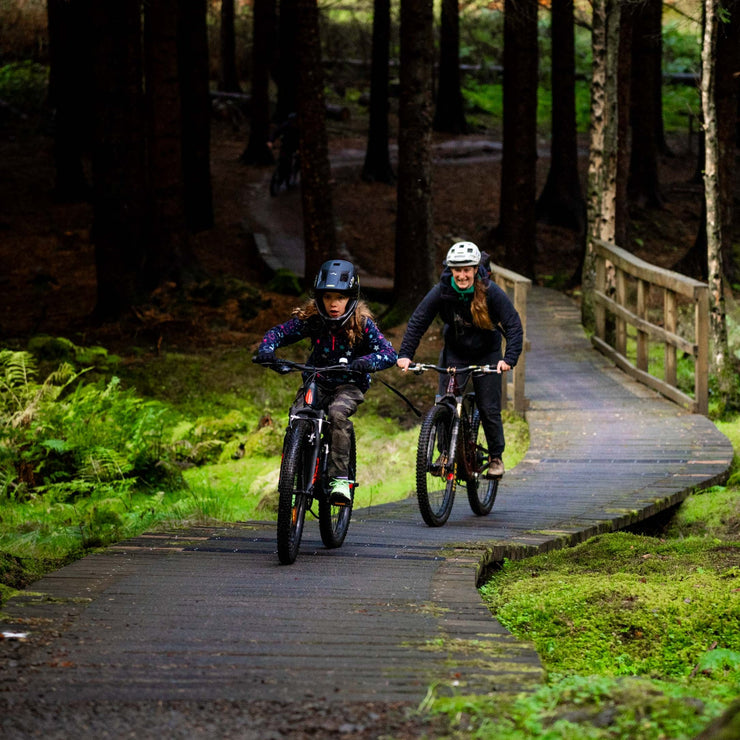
(463, 294)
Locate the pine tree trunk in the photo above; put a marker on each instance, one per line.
(517, 230)
(377, 167)
(263, 46)
(318, 213)
(414, 251)
(119, 230)
(192, 62)
(228, 78)
(561, 202)
(449, 115)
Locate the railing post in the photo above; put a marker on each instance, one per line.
(620, 340)
(670, 324)
(521, 291)
(701, 364)
(599, 310)
(642, 337)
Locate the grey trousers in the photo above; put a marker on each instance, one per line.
(339, 403)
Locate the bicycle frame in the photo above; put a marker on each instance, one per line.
(455, 396)
(317, 418)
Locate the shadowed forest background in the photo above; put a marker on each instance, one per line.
(134, 173)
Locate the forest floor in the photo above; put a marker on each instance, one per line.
(47, 282)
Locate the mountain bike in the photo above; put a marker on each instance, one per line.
(287, 172)
(304, 470)
(452, 448)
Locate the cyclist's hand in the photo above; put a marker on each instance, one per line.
(403, 363)
(264, 358)
(361, 365)
(503, 366)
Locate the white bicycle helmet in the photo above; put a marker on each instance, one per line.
(463, 254)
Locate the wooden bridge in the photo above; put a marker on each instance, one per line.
(208, 615)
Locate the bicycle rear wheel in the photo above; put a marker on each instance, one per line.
(295, 478)
(481, 491)
(435, 468)
(334, 518)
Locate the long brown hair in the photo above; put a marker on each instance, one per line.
(479, 306)
(354, 326)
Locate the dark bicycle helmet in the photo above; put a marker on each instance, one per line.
(337, 276)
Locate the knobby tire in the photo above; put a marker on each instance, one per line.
(481, 491)
(295, 478)
(334, 518)
(435, 488)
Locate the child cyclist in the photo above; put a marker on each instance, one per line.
(339, 325)
(476, 313)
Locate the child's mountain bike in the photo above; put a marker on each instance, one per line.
(452, 448)
(304, 470)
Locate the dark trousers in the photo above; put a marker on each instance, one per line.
(487, 395)
(339, 403)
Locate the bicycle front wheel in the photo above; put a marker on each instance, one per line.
(334, 518)
(481, 491)
(435, 467)
(295, 478)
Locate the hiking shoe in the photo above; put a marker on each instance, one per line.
(495, 468)
(339, 491)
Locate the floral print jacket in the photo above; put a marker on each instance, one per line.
(328, 347)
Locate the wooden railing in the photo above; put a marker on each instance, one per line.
(628, 299)
(516, 287)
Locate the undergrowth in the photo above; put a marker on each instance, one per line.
(639, 635)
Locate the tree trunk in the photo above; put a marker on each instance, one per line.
(414, 251)
(228, 77)
(69, 97)
(449, 116)
(119, 231)
(727, 86)
(377, 167)
(643, 185)
(602, 164)
(196, 113)
(717, 316)
(263, 45)
(169, 256)
(516, 230)
(318, 213)
(561, 202)
(624, 91)
(287, 69)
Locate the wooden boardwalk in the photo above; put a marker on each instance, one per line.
(209, 614)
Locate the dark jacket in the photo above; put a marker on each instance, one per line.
(462, 337)
(329, 347)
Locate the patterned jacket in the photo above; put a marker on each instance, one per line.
(327, 347)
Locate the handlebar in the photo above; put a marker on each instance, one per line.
(420, 367)
(289, 365)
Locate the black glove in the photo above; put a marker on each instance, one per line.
(360, 365)
(264, 358)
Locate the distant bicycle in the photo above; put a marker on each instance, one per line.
(287, 173)
(304, 471)
(452, 448)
